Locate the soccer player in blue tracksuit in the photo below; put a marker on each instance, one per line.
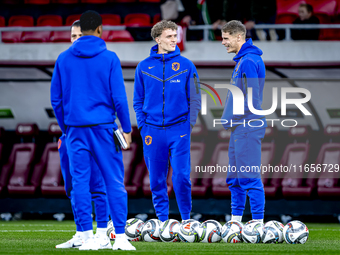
(87, 90)
(166, 102)
(97, 186)
(246, 137)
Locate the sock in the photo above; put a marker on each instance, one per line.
(120, 236)
(79, 233)
(87, 234)
(101, 231)
(236, 217)
(260, 220)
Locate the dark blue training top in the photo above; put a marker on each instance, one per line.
(87, 86)
(249, 71)
(167, 90)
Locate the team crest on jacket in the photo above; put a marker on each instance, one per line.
(148, 140)
(175, 66)
(59, 144)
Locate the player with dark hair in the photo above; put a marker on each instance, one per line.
(97, 186)
(166, 102)
(245, 140)
(87, 90)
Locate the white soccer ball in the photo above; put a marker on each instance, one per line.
(110, 230)
(188, 231)
(295, 232)
(272, 232)
(210, 231)
(133, 229)
(150, 231)
(252, 231)
(232, 232)
(169, 231)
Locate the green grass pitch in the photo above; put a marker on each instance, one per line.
(40, 237)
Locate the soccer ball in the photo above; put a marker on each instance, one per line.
(110, 230)
(150, 232)
(169, 231)
(252, 231)
(188, 231)
(210, 231)
(295, 232)
(133, 229)
(272, 232)
(232, 232)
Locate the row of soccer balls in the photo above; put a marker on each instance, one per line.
(211, 231)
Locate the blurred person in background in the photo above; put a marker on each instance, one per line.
(306, 17)
(250, 12)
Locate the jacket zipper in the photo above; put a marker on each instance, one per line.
(163, 89)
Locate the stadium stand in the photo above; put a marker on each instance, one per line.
(37, 1)
(137, 20)
(296, 155)
(287, 11)
(329, 155)
(220, 157)
(48, 169)
(42, 36)
(18, 170)
(17, 21)
(267, 158)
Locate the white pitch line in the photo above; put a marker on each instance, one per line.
(327, 229)
(37, 230)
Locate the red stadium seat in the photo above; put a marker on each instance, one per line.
(287, 11)
(17, 21)
(137, 20)
(267, 157)
(156, 18)
(325, 11)
(94, 1)
(220, 157)
(18, 169)
(295, 155)
(64, 1)
(109, 20)
(72, 18)
(123, 1)
(137, 179)
(119, 36)
(50, 20)
(52, 180)
(65, 36)
(37, 1)
(2, 21)
(129, 161)
(149, 1)
(329, 156)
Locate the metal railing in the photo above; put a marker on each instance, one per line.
(205, 28)
(286, 27)
(47, 28)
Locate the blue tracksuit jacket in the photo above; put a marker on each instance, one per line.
(172, 93)
(249, 71)
(71, 77)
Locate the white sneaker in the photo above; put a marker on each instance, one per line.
(103, 241)
(123, 244)
(90, 244)
(75, 242)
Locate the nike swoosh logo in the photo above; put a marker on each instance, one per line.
(183, 135)
(76, 246)
(151, 67)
